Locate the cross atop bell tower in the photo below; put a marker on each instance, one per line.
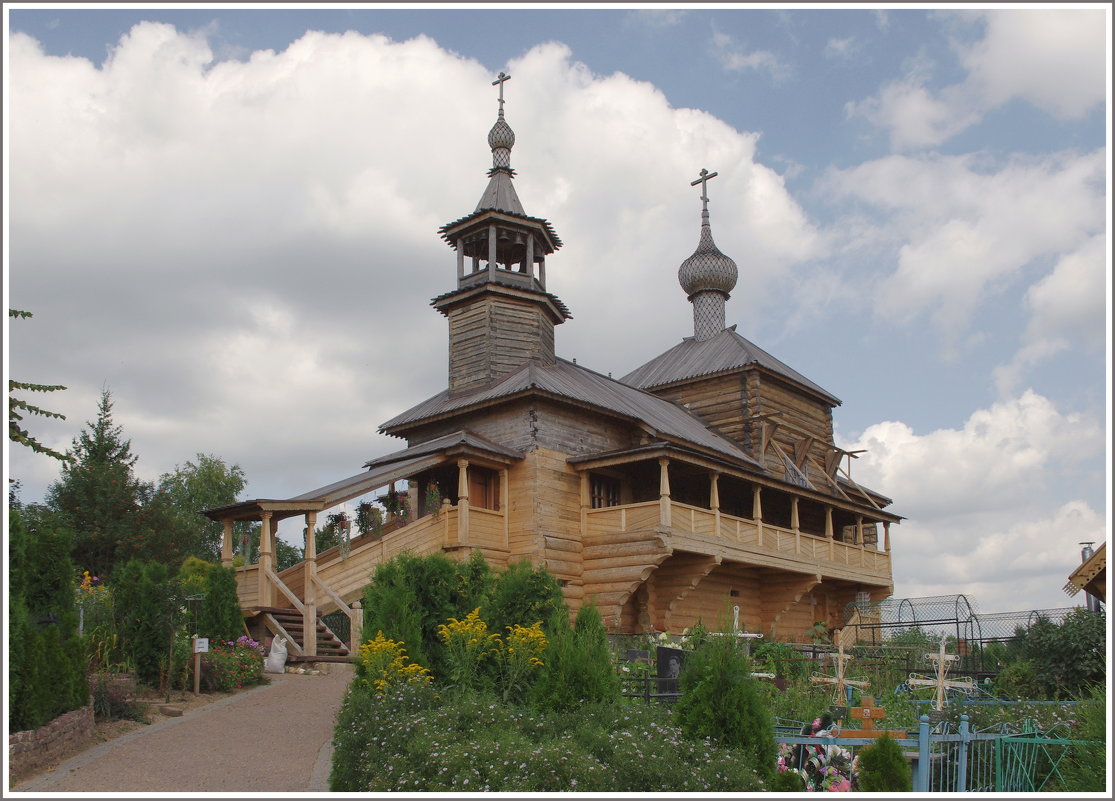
(500, 315)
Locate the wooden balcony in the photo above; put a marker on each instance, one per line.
(712, 533)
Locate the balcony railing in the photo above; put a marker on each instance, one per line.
(749, 536)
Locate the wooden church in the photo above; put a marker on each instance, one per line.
(705, 479)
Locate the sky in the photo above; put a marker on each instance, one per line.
(228, 218)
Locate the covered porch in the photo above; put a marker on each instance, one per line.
(465, 473)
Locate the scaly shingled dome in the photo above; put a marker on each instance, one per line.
(707, 269)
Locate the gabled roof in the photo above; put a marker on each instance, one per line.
(571, 382)
(1091, 576)
(726, 351)
(458, 439)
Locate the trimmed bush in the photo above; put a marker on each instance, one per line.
(577, 668)
(147, 604)
(46, 665)
(410, 596)
(219, 617)
(720, 701)
(522, 595)
(883, 768)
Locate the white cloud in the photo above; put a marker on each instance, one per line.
(998, 460)
(735, 57)
(842, 49)
(245, 251)
(960, 228)
(1067, 307)
(1054, 59)
(975, 499)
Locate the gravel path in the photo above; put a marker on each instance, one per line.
(272, 739)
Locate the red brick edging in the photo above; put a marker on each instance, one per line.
(29, 751)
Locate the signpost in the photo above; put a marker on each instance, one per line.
(201, 646)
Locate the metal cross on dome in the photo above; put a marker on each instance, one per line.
(503, 78)
(706, 176)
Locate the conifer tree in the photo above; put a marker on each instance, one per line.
(98, 496)
(18, 408)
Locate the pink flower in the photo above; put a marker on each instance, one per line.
(842, 786)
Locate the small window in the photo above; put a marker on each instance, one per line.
(605, 492)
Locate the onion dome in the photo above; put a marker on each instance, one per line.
(707, 270)
(708, 276)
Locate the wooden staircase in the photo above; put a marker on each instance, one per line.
(287, 622)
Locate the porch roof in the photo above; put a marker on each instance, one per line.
(381, 471)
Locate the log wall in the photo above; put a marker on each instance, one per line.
(493, 336)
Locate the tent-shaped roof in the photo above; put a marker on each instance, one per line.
(723, 352)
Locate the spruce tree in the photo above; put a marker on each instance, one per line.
(98, 497)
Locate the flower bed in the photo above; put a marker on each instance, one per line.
(232, 665)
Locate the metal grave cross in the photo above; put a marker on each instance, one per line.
(706, 176)
(499, 82)
(839, 683)
(942, 662)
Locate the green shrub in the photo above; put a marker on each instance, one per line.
(219, 617)
(577, 668)
(410, 596)
(883, 768)
(147, 604)
(720, 701)
(46, 668)
(522, 595)
(1084, 769)
(413, 740)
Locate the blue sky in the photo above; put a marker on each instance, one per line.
(228, 217)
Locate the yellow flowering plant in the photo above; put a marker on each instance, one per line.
(468, 645)
(520, 655)
(383, 662)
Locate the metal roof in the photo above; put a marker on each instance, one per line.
(570, 381)
(466, 438)
(725, 351)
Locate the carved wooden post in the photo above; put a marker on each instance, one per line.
(491, 250)
(664, 514)
(264, 558)
(309, 591)
(530, 255)
(714, 502)
(503, 508)
(757, 510)
(460, 258)
(586, 503)
(886, 536)
(355, 627)
(462, 502)
(226, 545)
(414, 508)
(828, 533)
